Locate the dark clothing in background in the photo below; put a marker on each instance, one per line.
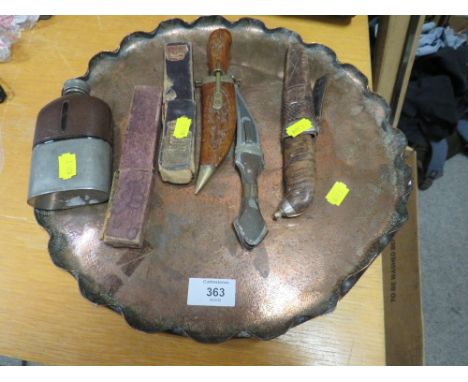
(430, 106)
(436, 100)
(437, 95)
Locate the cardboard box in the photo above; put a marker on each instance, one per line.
(402, 287)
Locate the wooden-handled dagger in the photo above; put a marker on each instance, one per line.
(218, 107)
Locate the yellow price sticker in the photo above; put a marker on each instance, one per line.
(66, 165)
(337, 193)
(182, 127)
(299, 127)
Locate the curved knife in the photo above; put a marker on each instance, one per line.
(250, 226)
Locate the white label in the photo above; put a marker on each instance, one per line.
(211, 292)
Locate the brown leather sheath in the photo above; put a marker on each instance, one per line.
(218, 107)
(297, 92)
(128, 206)
(298, 151)
(176, 161)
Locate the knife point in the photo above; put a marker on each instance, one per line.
(204, 174)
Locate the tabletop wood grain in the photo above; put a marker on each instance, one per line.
(44, 318)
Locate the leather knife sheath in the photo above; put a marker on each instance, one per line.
(176, 162)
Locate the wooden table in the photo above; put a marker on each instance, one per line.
(44, 318)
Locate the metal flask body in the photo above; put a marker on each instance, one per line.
(71, 163)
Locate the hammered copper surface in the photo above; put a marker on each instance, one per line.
(305, 264)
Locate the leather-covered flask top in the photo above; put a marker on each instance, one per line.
(74, 115)
(71, 162)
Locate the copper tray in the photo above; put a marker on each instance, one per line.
(305, 265)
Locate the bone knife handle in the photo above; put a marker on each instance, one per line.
(219, 47)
